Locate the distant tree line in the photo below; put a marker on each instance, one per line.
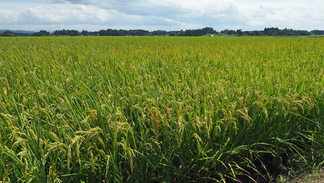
(317, 32)
(121, 32)
(66, 33)
(273, 31)
(41, 33)
(191, 32)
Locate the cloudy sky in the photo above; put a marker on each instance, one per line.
(160, 14)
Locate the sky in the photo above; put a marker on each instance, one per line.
(94, 15)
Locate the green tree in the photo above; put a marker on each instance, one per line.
(84, 33)
(66, 33)
(8, 34)
(172, 34)
(41, 33)
(239, 32)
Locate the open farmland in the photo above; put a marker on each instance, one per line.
(154, 109)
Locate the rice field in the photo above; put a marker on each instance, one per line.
(160, 109)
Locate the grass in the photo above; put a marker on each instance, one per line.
(154, 109)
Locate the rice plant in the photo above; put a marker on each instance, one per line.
(154, 109)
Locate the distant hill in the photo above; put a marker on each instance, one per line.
(18, 31)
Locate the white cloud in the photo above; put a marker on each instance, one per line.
(163, 14)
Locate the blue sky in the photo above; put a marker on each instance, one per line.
(160, 15)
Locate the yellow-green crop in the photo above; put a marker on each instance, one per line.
(154, 109)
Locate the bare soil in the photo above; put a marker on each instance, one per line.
(316, 177)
